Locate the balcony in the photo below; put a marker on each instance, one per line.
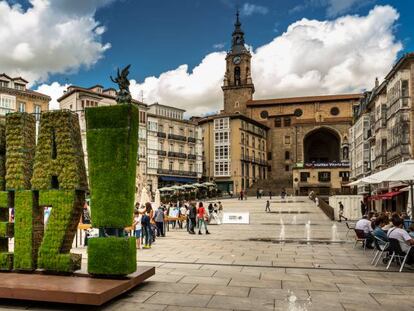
(161, 134)
(162, 171)
(177, 137)
(192, 157)
(162, 153)
(177, 155)
(191, 140)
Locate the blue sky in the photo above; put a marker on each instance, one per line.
(158, 35)
(177, 47)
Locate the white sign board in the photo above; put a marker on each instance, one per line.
(236, 218)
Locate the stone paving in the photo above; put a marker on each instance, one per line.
(257, 267)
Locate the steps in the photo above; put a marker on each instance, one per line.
(267, 185)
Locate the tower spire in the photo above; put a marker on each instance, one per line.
(237, 44)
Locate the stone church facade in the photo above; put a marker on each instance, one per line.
(307, 137)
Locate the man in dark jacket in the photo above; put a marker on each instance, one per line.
(192, 216)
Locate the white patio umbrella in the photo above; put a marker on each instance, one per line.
(157, 199)
(144, 197)
(402, 172)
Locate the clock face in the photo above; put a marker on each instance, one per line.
(236, 60)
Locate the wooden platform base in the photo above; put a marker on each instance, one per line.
(68, 289)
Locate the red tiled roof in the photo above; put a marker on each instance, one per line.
(304, 99)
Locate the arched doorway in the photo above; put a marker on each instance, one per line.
(321, 145)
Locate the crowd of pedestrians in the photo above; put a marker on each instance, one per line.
(149, 224)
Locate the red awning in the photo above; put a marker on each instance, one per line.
(384, 196)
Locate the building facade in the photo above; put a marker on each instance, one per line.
(307, 144)
(78, 98)
(386, 117)
(174, 148)
(15, 96)
(234, 151)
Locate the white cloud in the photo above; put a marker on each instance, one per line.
(311, 57)
(250, 9)
(51, 36)
(54, 90)
(219, 46)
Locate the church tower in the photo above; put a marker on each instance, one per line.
(237, 86)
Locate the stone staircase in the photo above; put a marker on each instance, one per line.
(269, 185)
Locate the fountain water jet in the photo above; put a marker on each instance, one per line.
(334, 233)
(308, 230)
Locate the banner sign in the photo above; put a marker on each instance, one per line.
(328, 165)
(236, 218)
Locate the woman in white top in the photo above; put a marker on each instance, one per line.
(406, 241)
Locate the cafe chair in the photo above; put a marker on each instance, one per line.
(350, 226)
(397, 253)
(381, 247)
(360, 237)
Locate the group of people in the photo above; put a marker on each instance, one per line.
(149, 224)
(387, 226)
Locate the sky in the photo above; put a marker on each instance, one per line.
(176, 48)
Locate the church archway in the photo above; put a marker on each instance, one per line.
(321, 145)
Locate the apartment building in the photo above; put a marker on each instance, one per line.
(174, 147)
(15, 96)
(386, 117)
(78, 98)
(234, 151)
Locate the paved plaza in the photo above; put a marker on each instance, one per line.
(274, 263)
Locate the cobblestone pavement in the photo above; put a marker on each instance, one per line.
(274, 263)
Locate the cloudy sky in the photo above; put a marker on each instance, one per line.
(177, 47)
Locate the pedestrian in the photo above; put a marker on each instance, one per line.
(363, 208)
(267, 206)
(202, 215)
(192, 214)
(257, 193)
(146, 225)
(241, 195)
(159, 221)
(137, 228)
(270, 195)
(341, 212)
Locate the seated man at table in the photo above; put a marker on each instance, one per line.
(403, 237)
(364, 224)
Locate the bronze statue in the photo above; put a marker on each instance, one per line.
(123, 96)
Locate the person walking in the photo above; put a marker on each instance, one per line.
(341, 212)
(267, 206)
(202, 215)
(192, 214)
(257, 194)
(270, 195)
(159, 221)
(137, 228)
(363, 208)
(146, 226)
(241, 195)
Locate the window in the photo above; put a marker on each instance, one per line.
(191, 150)
(278, 122)
(181, 131)
(22, 107)
(286, 121)
(190, 133)
(287, 168)
(171, 130)
(287, 140)
(242, 138)
(181, 166)
(221, 124)
(334, 111)
(171, 165)
(181, 149)
(142, 117)
(404, 88)
(160, 128)
(160, 145)
(221, 168)
(221, 152)
(264, 114)
(287, 155)
(221, 137)
(298, 113)
(269, 155)
(171, 148)
(324, 176)
(344, 176)
(160, 164)
(38, 111)
(4, 84)
(304, 176)
(191, 167)
(152, 162)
